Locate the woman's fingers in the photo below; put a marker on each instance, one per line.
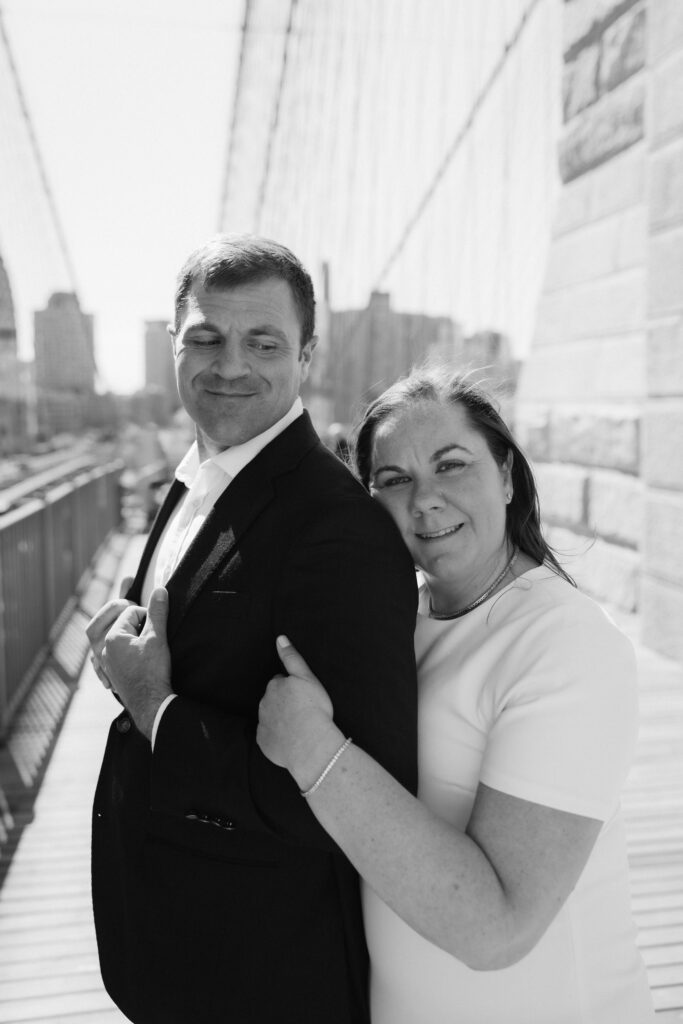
(292, 660)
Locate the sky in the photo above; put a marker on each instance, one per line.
(130, 102)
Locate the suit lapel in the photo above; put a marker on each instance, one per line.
(175, 492)
(238, 507)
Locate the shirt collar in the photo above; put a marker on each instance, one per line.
(234, 459)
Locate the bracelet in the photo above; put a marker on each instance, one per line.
(328, 768)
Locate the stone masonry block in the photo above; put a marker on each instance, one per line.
(666, 186)
(666, 273)
(532, 429)
(665, 28)
(632, 239)
(580, 81)
(663, 536)
(610, 305)
(594, 370)
(607, 437)
(623, 49)
(661, 616)
(562, 493)
(615, 507)
(663, 444)
(665, 359)
(613, 124)
(606, 571)
(612, 187)
(617, 242)
(665, 104)
(585, 20)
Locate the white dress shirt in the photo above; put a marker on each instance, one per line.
(205, 481)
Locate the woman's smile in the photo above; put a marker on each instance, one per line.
(447, 531)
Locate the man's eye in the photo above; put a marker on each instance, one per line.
(202, 340)
(262, 345)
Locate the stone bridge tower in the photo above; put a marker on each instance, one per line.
(600, 401)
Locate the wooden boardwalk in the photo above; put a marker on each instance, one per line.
(48, 961)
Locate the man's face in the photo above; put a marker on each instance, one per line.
(239, 363)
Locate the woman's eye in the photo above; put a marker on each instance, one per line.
(393, 481)
(444, 467)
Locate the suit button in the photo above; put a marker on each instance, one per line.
(123, 724)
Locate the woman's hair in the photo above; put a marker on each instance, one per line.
(523, 524)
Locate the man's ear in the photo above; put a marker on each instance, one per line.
(307, 353)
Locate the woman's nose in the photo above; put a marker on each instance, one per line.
(426, 498)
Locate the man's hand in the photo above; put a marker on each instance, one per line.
(136, 659)
(99, 625)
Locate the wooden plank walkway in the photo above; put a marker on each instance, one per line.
(653, 808)
(48, 960)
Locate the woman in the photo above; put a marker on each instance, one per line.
(501, 894)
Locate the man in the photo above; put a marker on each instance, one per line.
(217, 896)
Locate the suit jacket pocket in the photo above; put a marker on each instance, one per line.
(224, 603)
(219, 839)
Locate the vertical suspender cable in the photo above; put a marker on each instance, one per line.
(456, 143)
(276, 115)
(235, 114)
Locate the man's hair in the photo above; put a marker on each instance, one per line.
(442, 386)
(228, 260)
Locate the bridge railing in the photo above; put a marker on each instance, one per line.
(46, 546)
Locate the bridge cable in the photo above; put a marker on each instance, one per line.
(38, 157)
(239, 83)
(456, 144)
(276, 115)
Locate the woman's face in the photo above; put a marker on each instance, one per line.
(436, 476)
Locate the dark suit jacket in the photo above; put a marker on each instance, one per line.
(217, 896)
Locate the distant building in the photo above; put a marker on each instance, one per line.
(488, 355)
(370, 348)
(64, 365)
(160, 391)
(64, 353)
(8, 330)
(159, 363)
(14, 378)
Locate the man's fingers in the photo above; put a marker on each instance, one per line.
(131, 619)
(292, 660)
(157, 612)
(99, 672)
(104, 620)
(126, 584)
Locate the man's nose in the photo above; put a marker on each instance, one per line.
(230, 360)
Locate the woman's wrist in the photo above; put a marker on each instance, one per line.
(316, 747)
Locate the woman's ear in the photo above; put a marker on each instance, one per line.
(506, 469)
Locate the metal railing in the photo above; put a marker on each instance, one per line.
(46, 546)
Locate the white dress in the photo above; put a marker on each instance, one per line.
(534, 694)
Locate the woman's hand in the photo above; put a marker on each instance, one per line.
(295, 727)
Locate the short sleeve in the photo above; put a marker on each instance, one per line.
(565, 722)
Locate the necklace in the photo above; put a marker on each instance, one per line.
(479, 600)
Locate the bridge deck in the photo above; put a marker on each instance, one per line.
(48, 961)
